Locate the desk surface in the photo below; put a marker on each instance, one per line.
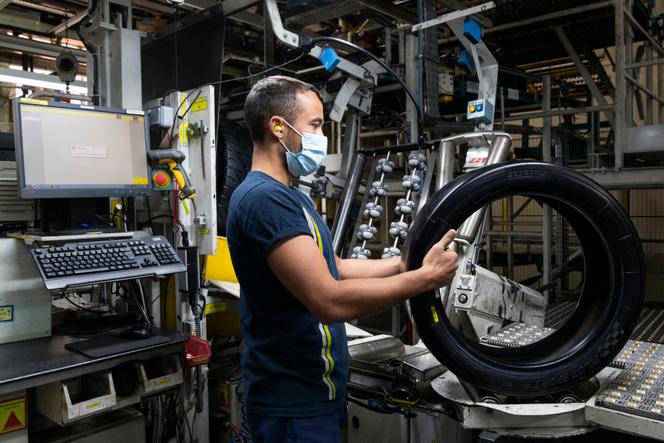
(32, 363)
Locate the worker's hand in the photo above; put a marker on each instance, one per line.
(440, 264)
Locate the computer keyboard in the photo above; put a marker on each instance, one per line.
(80, 263)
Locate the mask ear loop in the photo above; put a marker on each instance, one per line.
(295, 130)
(282, 144)
(291, 126)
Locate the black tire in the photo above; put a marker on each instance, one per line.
(609, 304)
(233, 164)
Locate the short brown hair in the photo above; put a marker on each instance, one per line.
(275, 95)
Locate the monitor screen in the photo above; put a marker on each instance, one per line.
(66, 151)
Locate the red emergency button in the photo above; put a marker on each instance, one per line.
(161, 179)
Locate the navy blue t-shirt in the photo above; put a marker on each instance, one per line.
(294, 366)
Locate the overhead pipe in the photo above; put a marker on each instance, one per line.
(92, 49)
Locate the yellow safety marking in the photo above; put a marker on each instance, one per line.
(185, 206)
(328, 356)
(183, 132)
(211, 308)
(319, 240)
(33, 101)
(12, 415)
(139, 181)
(434, 314)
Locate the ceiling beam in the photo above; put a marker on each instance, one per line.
(333, 10)
(457, 5)
(34, 47)
(248, 18)
(32, 77)
(68, 24)
(388, 9)
(16, 21)
(230, 7)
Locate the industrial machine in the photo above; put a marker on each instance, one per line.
(83, 165)
(146, 207)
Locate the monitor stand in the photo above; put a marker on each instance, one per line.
(62, 216)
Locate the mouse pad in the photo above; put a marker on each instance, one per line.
(106, 346)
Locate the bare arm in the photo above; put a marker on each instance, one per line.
(353, 268)
(302, 269)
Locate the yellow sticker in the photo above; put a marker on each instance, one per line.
(200, 104)
(33, 101)
(95, 405)
(434, 314)
(140, 180)
(162, 381)
(7, 313)
(12, 415)
(211, 308)
(203, 231)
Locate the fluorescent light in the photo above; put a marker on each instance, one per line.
(35, 80)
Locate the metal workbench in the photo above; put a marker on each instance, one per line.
(31, 363)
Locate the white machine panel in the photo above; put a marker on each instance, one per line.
(25, 305)
(197, 140)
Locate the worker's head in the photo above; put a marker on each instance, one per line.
(279, 107)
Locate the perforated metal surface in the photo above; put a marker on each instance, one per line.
(649, 329)
(515, 335)
(639, 389)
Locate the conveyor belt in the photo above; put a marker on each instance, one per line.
(639, 389)
(515, 335)
(650, 327)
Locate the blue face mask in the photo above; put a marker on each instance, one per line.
(310, 158)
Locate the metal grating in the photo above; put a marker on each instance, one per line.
(515, 335)
(13, 208)
(639, 389)
(649, 329)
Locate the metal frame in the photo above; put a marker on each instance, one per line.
(351, 92)
(628, 88)
(454, 15)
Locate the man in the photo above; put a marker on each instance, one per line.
(296, 293)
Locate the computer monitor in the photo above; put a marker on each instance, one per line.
(66, 151)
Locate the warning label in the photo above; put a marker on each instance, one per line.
(12, 415)
(7, 313)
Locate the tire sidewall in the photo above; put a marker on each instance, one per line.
(446, 211)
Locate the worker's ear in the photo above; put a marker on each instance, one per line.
(276, 126)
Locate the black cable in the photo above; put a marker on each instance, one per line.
(91, 48)
(157, 217)
(147, 205)
(230, 80)
(79, 306)
(176, 116)
(183, 232)
(221, 77)
(418, 109)
(175, 35)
